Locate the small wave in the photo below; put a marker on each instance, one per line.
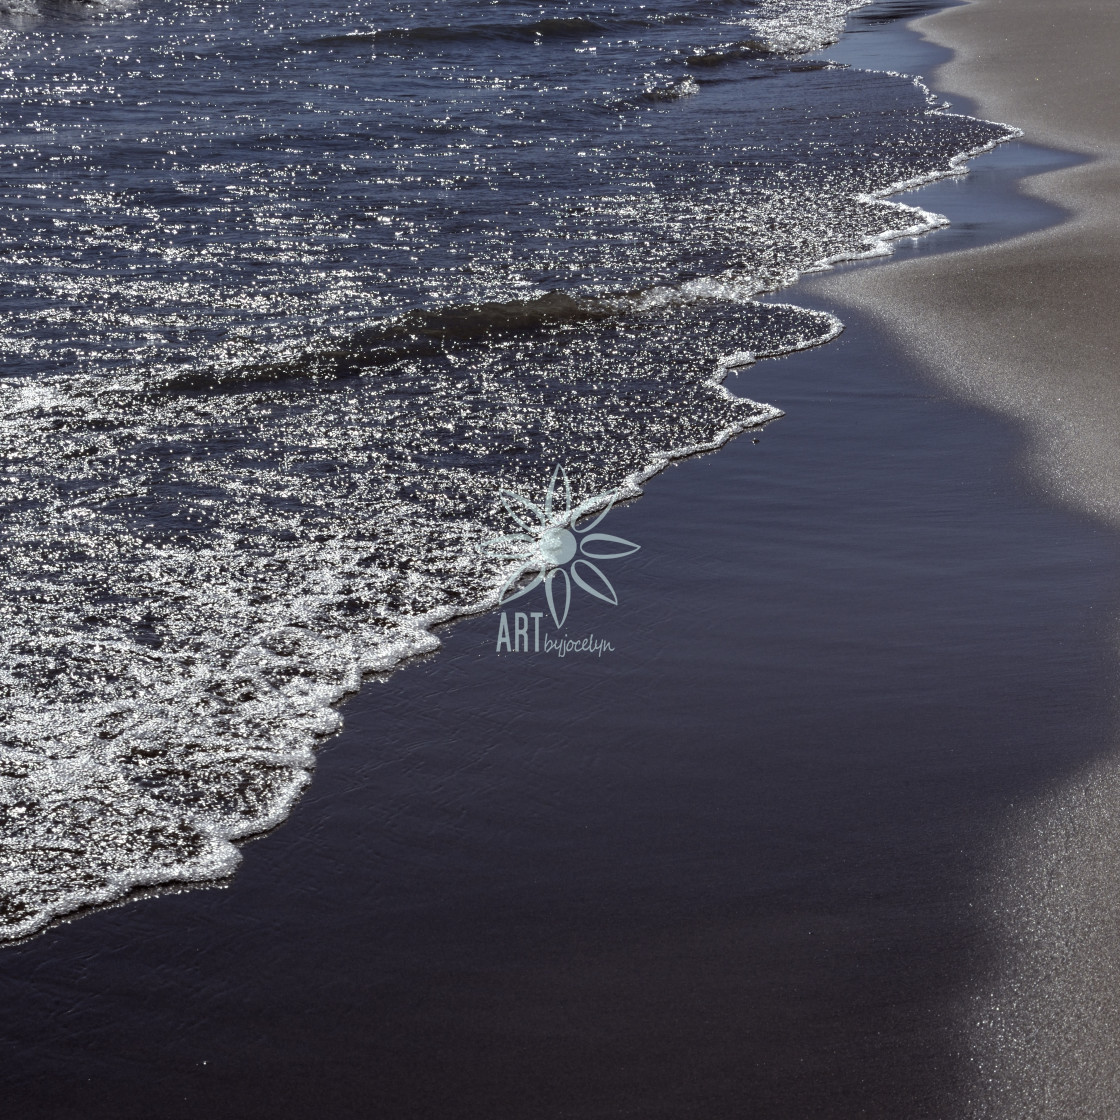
(426, 333)
(563, 26)
(420, 333)
(576, 27)
(747, 49)
(684, 88)
(45, 8)
(801, 26)
(483, 320)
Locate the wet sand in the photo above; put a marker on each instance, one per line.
(1031, 330)
(1030, 327)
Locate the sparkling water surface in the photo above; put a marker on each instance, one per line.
(291, 292)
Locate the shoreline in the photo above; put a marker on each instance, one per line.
(1028, 330)
(1026, 327)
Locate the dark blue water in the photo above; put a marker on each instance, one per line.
(292, 292)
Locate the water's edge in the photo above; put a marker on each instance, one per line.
(419, 638)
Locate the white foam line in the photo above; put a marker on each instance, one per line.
(924, 220)
(423, 641)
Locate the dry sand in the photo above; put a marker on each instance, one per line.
(1031, 328)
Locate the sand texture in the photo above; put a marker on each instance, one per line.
(1030, 327)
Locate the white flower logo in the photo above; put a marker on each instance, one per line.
(551, 541)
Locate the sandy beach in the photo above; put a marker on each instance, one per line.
(1029, 328)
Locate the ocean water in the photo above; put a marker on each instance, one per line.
(293, 292)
